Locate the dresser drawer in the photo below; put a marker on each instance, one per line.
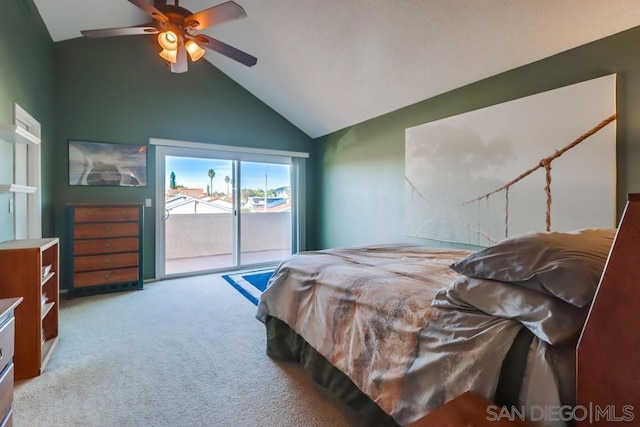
(7, 342)
(105, 214)
(105, 246)
(108, 229)
(104, 277)
(100, 262)
(6, 390)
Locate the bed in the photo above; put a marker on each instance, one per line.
(395, 331)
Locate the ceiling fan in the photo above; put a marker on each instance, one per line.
(175, 28)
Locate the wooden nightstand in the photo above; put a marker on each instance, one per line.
(466, 410)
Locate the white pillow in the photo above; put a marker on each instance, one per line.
(567, 265)
(550, 319)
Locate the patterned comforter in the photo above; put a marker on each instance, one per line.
(368, 311)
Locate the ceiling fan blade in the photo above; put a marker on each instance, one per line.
(181, 65)
(125, 31)
(150, 10)
(226, 50)
(215, 15)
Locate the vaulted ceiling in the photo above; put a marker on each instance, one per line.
(328, 64)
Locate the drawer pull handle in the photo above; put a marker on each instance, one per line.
(107, 244)
(107, 260)
(107, 276)
(1, 351)
(107, 229)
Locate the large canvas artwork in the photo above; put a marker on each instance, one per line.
(543, 162)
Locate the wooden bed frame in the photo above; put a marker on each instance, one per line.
(607, 360)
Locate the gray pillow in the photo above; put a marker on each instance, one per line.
(567, 265)
(550, 319)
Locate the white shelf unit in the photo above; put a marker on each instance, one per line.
(16, 188)
(17, 135)
(26, 203)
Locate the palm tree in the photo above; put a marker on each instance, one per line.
(211, 174)
(227, 180)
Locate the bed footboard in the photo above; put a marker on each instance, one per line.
(608, 372)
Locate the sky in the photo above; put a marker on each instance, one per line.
(192, 173)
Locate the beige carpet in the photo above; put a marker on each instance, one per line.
(185, 352)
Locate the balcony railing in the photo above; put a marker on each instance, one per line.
(200, 242)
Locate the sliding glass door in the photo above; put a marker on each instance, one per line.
(265, 212)
(198, 217)
(218, 211)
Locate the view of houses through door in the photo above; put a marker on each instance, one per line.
(223, 213)
(265, 212)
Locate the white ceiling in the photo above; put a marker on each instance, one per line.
(328, 64)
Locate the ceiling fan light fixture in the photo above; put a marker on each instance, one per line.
(169, 55)
(195, 51)
(168, 40)
(173, 26)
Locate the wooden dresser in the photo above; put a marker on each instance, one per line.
(106, 247)
(7, 345)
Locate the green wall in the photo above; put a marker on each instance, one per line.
(26, 67)
(361, 168)
(119, 90)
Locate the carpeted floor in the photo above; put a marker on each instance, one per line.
(184, 352)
